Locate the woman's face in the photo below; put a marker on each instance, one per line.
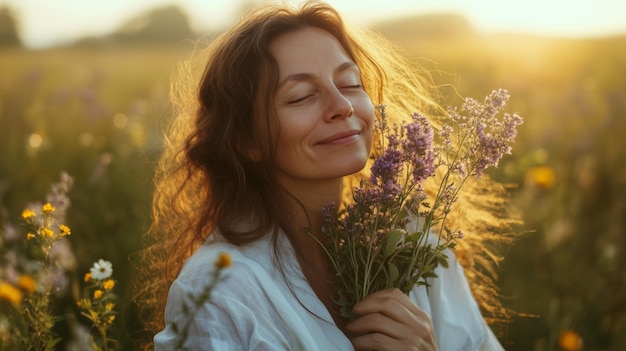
(326, 118)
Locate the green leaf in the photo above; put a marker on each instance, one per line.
(52, 343)
(415, 236)
(443, 260)
(392, 275)
(392, 241)
(403, 213)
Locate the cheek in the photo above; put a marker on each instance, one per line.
(294, 129)
(367, 117)
(369, 140)
(368, 114)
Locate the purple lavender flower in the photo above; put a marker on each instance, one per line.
(486, 138)
(417, 148)
(495, 101)
(494, 136)
(389, 164)
(446, 134)
(379, 194)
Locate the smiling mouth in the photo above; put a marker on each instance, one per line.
(341, 138)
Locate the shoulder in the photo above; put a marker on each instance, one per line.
(226, 307)
(202, 272)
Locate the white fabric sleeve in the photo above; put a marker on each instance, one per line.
(204, 331)
(246, 310)
(455, 315)
(491, 341)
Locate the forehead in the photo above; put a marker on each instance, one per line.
(307, 50)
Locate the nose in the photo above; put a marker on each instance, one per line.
(339, 107)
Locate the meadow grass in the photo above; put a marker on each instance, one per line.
(97, 113)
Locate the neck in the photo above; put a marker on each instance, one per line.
(307, 198)
(307, 201)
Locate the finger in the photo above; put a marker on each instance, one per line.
(400, 313)
(375, 341)
(379, 323)
(391, 302)
(381, 342)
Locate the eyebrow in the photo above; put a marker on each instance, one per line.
(306, 76)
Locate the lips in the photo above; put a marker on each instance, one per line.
(341, 137)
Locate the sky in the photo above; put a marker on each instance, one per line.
(44, 23)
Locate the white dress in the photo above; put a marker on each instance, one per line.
(254, 308)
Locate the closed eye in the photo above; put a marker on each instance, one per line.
(352, 87)
(295, 101)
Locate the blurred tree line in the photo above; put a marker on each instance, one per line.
(8, 28)
(163, 25)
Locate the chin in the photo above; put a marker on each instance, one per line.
(353, 166)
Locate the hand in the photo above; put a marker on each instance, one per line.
(390, 321)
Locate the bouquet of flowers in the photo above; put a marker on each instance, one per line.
(394, 234)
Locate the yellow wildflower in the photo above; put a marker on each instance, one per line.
(27, 283)
(569, 340)
(108, 284)
(97, 294)
(542, 176)
(10, 293)
(47, 208)
(110, 319)
(26, 214)
(30, 236)
(46, 232)
(87, 277)
(93, 315)
(84, 304)
(65, 230)
(223, 261)
(109, 306)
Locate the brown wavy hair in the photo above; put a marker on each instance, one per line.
(207, 181)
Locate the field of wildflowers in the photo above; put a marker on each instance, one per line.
(97, 114)
(36, 279)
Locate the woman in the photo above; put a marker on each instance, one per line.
(283, 119)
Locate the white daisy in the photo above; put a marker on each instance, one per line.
(101, 270)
